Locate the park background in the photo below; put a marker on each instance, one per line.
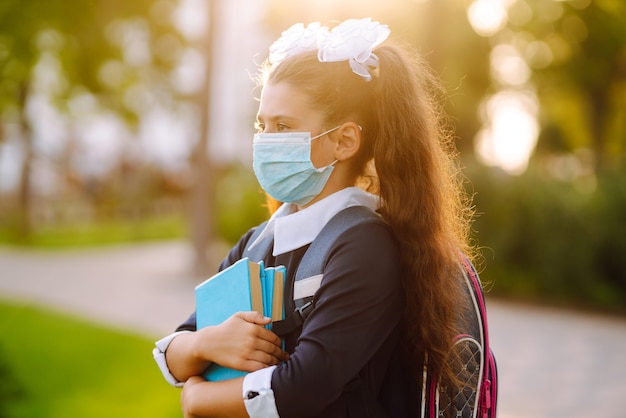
(127, 122)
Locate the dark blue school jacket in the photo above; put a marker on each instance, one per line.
(352, 331)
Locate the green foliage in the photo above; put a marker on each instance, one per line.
(110, 231)
(117, 53)
(69, 368)
(239, 203)
(553, 240)
(11, 389)
(126, 218)
(82, 36)
(581, 77)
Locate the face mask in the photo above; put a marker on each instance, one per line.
(282, 164)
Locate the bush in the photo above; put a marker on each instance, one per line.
(239, 203)
(11, 390)
(551, 240)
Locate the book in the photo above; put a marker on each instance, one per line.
(244, 286)
(273, 284)
(267, 282)
(277, 290)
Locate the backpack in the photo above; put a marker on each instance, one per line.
(477, 398)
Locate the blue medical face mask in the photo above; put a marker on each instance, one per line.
(282, 164)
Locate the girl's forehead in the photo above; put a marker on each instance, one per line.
(281, 92)
(284, 100)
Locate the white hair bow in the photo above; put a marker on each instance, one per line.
(352, 40)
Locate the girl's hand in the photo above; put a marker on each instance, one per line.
(241, 342)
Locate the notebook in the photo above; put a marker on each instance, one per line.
(244, 286)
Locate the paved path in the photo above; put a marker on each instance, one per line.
(552, 363)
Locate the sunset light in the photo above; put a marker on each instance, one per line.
(510, 132)
(510, 127)
(488, 16)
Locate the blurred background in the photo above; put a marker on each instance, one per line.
(128, 123)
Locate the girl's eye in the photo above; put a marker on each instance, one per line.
(279, 127)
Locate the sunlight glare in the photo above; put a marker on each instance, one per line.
(100, 143)
(488, 16)
(539, 55)
(11, 160)
(188, 77)
(192, 18)
(508, 67)
(511, 131)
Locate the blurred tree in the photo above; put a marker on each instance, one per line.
(202, 194)
(461, 58)
(117, 50)
(577, 49)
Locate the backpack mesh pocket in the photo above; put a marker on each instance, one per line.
(460, 400)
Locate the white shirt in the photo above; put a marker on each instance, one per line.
(293, 229)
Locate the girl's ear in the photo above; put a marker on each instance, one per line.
(348, 141)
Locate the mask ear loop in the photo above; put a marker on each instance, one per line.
(326, 132)
(321, 135)
(329, 131)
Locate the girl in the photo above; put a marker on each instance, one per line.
(345, 119)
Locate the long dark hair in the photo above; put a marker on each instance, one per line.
(407, 158)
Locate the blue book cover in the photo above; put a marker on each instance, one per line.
(244, 286)
(267, 285)
(273, 283)
(236, 288)
(275, 307)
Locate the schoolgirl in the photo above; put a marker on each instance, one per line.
(345, 119)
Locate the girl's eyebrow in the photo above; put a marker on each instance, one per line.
(260, 117)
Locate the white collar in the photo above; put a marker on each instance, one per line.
(293, 229)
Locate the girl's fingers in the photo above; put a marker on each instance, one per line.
(260, 359)
(253, 317)
(258, 319)
(269, 336)
(272, 350)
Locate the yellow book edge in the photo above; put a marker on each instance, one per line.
(256, 291)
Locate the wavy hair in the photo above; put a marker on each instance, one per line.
(407, 157)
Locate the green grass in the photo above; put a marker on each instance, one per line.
(107, 232)
(63, 367)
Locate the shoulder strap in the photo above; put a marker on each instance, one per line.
(315, 258)
(312, 264)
